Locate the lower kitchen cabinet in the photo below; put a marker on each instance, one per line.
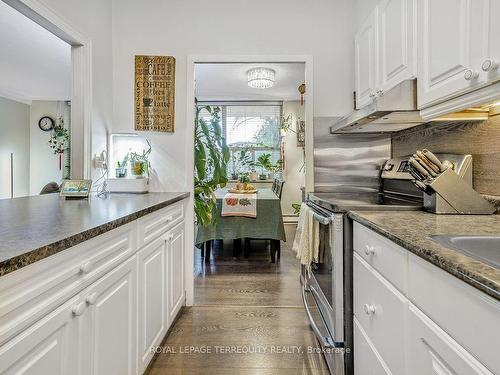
(48, 347)
(109, 323)
(152, 307)
(422, 322)
(175, 261)
(433, 351)
(118, 304)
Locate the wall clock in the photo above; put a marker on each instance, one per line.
(46, 123)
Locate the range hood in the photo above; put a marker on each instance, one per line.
(395, 110)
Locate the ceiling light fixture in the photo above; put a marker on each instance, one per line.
(261, 78)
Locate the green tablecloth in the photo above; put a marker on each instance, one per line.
(267, 225)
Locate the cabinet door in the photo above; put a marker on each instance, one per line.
(49, 347)
(152, 298)
(444, 53)
(396, 21)
(110, 322)
(175, 263)
(485, 15)
(365, 50)
(432, 352)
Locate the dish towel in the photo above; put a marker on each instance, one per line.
(244, 205)
(306, 242)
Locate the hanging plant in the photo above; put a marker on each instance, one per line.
(59, 137)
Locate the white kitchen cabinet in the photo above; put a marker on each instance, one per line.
(365, 61)
(433, 351)
(49, 347)
(396, 46)
(109, 322)
(419, 320)
(175, 263)
(487, 12)
(153, 286)
(459, 48)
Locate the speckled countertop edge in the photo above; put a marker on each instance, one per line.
(35, 255)
(460, 270)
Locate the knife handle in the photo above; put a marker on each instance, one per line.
(434, 159)
(418, 167)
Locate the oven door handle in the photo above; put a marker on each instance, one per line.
(323, 219)
(326, 342)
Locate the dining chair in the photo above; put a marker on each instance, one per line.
(275, 247)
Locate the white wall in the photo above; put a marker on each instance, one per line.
(14, 138)
(294, 160)
(44, 165)
(93, 19)
(362, 9)
(321, 28)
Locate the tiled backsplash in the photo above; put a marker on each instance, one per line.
(480, 139)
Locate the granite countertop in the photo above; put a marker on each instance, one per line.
(33, 228)
(411, 230)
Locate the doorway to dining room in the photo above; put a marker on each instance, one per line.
(249, 161)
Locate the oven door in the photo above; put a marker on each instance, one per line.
(323, 284)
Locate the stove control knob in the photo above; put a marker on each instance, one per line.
(388, 167)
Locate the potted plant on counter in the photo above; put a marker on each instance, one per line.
(264, 162)
(121, 167)
(139, 163)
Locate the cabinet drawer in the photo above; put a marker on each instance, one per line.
(432, 351)
(153, 225)
(469, 316)
(31, 292)
(366, 358)
(381, 311)
(382, 254)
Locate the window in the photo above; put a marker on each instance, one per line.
(250, 130)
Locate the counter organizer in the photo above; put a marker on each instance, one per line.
(447, 184)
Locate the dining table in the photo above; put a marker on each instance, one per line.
(267, 225)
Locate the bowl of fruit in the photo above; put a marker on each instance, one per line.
(243, 186)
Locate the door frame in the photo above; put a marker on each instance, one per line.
(81, 88)
(192, 60)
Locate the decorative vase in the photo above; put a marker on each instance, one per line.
(262, 176)
(121, 172)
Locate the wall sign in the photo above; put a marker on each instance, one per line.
(154, 93)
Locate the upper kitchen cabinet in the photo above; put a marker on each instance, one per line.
(365, 50)
(385, 50)
(459, 47)
(397, 49)
(490, 61)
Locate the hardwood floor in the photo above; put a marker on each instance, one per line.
(247, 318)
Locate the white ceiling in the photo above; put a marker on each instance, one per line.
(34, 63)
(229, 82)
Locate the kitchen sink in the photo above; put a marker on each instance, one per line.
(482, 248)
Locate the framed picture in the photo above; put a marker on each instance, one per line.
(154, 93)
(75, 188)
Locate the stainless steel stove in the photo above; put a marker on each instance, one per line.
(327, 284)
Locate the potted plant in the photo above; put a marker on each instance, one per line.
(244, 179)
(264, 162)
(211, 156)
(121, 168)
(139, 163)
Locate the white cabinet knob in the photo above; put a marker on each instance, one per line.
(470, 74)
(369, 250)
(77, 310)
(91, 298)
(85, 267)
(489, 65)
(380, 92)
(169, 219)
(372, 95)
(369, 309)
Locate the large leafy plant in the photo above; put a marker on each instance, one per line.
(211, 156)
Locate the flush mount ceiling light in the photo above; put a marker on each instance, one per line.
(261, 78)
